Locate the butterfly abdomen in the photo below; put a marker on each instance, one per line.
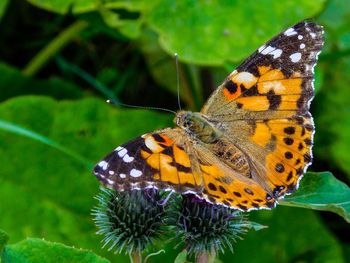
(231, 155)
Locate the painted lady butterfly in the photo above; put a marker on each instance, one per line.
(251, 142)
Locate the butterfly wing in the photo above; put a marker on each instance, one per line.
(277, 77)
(168, 159)
(162, 159)
(263, 107)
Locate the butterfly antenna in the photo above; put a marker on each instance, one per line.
(113, 102)
(177, 80)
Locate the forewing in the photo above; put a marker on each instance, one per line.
(161, 159)
(275, 81)
(263, 107)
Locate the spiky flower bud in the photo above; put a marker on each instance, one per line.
(130, 220)
(208, 228)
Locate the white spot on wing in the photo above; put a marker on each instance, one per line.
(128, 158)
(261, 48)
(122, 176)
(300, 37)
(119, 148)
(245, 77)
(295, 57)
(302, 46)
(110, 181)
(313, 35)
(290, 32)
(267, 50)
(276, 53)
(122, 152)
(103, 165)
(111, 172)
(135, 173)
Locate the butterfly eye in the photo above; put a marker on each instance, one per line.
(188, 123)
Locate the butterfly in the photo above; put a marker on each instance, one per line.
(248, 146)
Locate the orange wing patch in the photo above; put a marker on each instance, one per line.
(289, 142)
(236, 82)
(256, 103)
(232, 192)
(261, 135)
(272, 90)
(170, 163)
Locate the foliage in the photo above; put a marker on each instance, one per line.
(59, 61)
(39, 250)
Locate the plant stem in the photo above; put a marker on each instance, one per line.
(135, 257)
(35, 64)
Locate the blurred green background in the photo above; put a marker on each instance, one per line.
(60, 60)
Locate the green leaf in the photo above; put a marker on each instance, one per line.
(13, 83)
(322, 191)
(212, 32)
(47, 193)
(3, 5)
(130, 28)
(256, 226)
(332, 137)
(181, 257)
(10, 127)
(38, 250)
(336, 19)
(287, 239)
(83, 6)
(3, 239)
(163, 70)
(63, 6)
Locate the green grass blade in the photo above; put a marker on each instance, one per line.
(16, 129)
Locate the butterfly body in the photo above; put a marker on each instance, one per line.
(211, 136)
(251, 142)
(196, 125)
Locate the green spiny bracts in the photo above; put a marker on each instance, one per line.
(205, 227)
(130, 220)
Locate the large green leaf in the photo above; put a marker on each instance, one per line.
(108, 10)
(202, 32)
(34, 250)
(212, 32)
(63, 6)
(46, 192)
(293, 235)
(322, 191)
(83, 6)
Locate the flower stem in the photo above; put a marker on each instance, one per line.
(53, 47)
(135, 257)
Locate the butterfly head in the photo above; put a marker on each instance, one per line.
(189, 121)
(197, 125)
